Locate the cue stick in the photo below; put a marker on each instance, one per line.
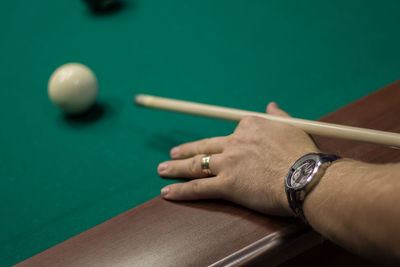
(312, 127)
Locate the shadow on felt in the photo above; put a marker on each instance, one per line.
(113, 7)
(96, 113)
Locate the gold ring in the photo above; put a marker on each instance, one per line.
(205, 165)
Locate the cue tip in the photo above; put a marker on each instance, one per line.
(142, 100)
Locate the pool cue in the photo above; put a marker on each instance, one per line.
(311, 127)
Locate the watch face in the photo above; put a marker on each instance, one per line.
(299, 175)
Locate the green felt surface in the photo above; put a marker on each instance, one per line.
(60, 176)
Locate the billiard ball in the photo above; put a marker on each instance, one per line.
(73, 88)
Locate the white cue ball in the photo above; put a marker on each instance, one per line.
(73, 88)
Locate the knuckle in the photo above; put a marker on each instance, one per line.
(196, 187)
(233, 139)
(250, 122)
(252, 119)
(230, 157)
(220, 187)
(181, 150)
(193, 166)
(283, 127)
(246, 120)
(195, 144)
(198, 145)
(225, 188)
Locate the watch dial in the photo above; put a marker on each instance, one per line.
(301, 173)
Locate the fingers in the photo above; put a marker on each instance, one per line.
(205, 146)
(196, 189)
(188, 168)
(273, 109)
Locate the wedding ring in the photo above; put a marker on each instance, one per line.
(205, 165)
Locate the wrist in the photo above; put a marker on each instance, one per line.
(315, 204)
(303, 176)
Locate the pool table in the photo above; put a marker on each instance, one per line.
(62, 175)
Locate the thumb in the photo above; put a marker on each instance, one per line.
(273, 109)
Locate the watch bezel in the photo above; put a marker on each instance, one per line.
(309, 182)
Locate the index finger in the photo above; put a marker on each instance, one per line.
(206, 146)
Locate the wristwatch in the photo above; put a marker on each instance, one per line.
(303, 176)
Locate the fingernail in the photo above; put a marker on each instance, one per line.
(162, 167)
(275, 105)
(165, 191)
(175, 152)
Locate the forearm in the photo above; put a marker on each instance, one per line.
(356, 205)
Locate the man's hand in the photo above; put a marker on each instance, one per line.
(248, 167)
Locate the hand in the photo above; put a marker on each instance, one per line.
(248, 167)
